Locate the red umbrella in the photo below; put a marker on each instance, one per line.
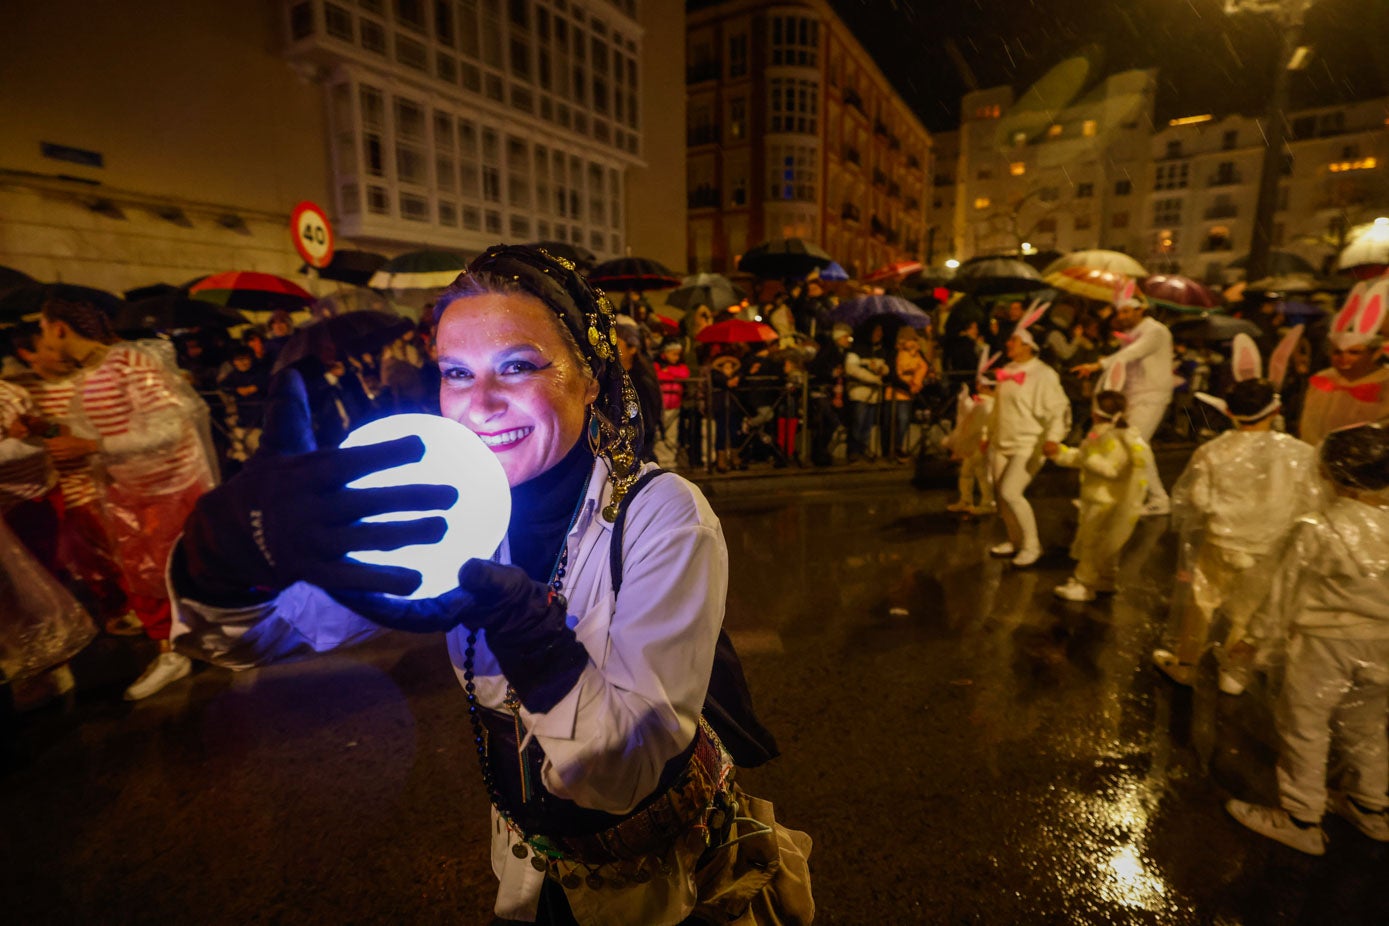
(892, 272)
(244, 289)
(667, 325)
(737, 331)
(1179, 292)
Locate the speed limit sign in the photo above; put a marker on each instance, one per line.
(313, 236)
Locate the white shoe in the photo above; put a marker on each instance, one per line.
(1231, 682)
(1026, 558)
(1166, 662)
(1002, 550)
(1157, 507)
(166, 668)
(1374, 824)
(1275, 823)
(1074, 590)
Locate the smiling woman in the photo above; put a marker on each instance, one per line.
(606, 724)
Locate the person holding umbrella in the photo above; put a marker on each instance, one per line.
(607, 709)
(1148, 383)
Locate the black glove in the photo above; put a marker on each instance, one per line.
(289, 516)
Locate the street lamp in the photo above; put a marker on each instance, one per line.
(1287, 16)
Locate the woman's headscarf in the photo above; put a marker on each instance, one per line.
(589, 319)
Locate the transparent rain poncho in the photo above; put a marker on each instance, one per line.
(155, 459)
(41, 624)
(1232, 507)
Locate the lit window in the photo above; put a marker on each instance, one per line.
(1017, 168)
(1360, 164)
(1088, 128)
(982, 202)
(1054, 130)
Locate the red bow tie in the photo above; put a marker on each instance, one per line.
(1363, 392)
(1004, 376)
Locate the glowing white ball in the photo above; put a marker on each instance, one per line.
(453, 456)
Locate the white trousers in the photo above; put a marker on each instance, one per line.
(1144, 415)
(668, 440)
(1329, 682)
(974, 469)
(1012, 474)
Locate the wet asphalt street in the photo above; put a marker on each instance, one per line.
(962, 747)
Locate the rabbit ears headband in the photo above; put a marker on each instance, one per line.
(981, 377)
(1360, 319)
(1112, 379)
(1126, 294)
(1035, 311)
(1245, 364)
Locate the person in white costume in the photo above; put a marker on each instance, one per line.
(1330, 604)
(1235, 501)
(1148, 382)
(1112, 460)
(607, 705)
(1355, 388)
(966, 443)
(1031, 416)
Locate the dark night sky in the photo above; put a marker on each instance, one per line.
(1208, 61)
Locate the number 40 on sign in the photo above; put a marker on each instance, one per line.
(312, 234)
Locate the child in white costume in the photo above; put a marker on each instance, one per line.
(1234, 503)
(965, 443)
(1112, 460)
(1031, 415)
(1330, 602)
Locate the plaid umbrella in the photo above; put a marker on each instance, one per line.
(244, 289)
(736, 331)
(856, 311)
(712, 289)
(1178, 293)
(419, 270)
(784, 259)
(1096, 259)
(633, 274)
(1100, 285)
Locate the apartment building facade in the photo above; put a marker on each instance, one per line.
(793, 131)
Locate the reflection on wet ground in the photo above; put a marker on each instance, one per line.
(962, 746)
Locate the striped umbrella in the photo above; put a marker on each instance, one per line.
(1100, 285)
(248, 290)
(419, 270)
(1098, 259)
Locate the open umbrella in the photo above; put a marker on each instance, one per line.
(342, 336)
(991, 276)
(418, 270)
(833, 273)
(1212, 327)
(737, 331)
(633, 274)
(784, 259)
(712, 289)
(1100, 285)
(173, 311)
(349, 266)
(1097, 259)
(854, 312)
(1367, 254)
(13, 279)
(355, 299)
(1179, 293)
(25, 301)
(581, 257)
(1279, 262)
(246, 289)
(893, 272)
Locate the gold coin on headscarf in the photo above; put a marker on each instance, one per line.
(593, 336)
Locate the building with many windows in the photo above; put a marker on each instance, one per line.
(171, 139)
(794, 132)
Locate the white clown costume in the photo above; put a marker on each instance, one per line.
(1030, 410)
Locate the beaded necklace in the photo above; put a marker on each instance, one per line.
(513, 704)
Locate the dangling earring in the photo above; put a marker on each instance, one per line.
(594, 431)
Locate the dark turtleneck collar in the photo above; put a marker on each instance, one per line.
(541, 508)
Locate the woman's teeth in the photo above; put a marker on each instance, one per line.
(505, 438)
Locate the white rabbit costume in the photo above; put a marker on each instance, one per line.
(1113, 484)
(1333, 401)
(1148, 381)
(972, 414)
(1030, 410)
(1232, 506)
